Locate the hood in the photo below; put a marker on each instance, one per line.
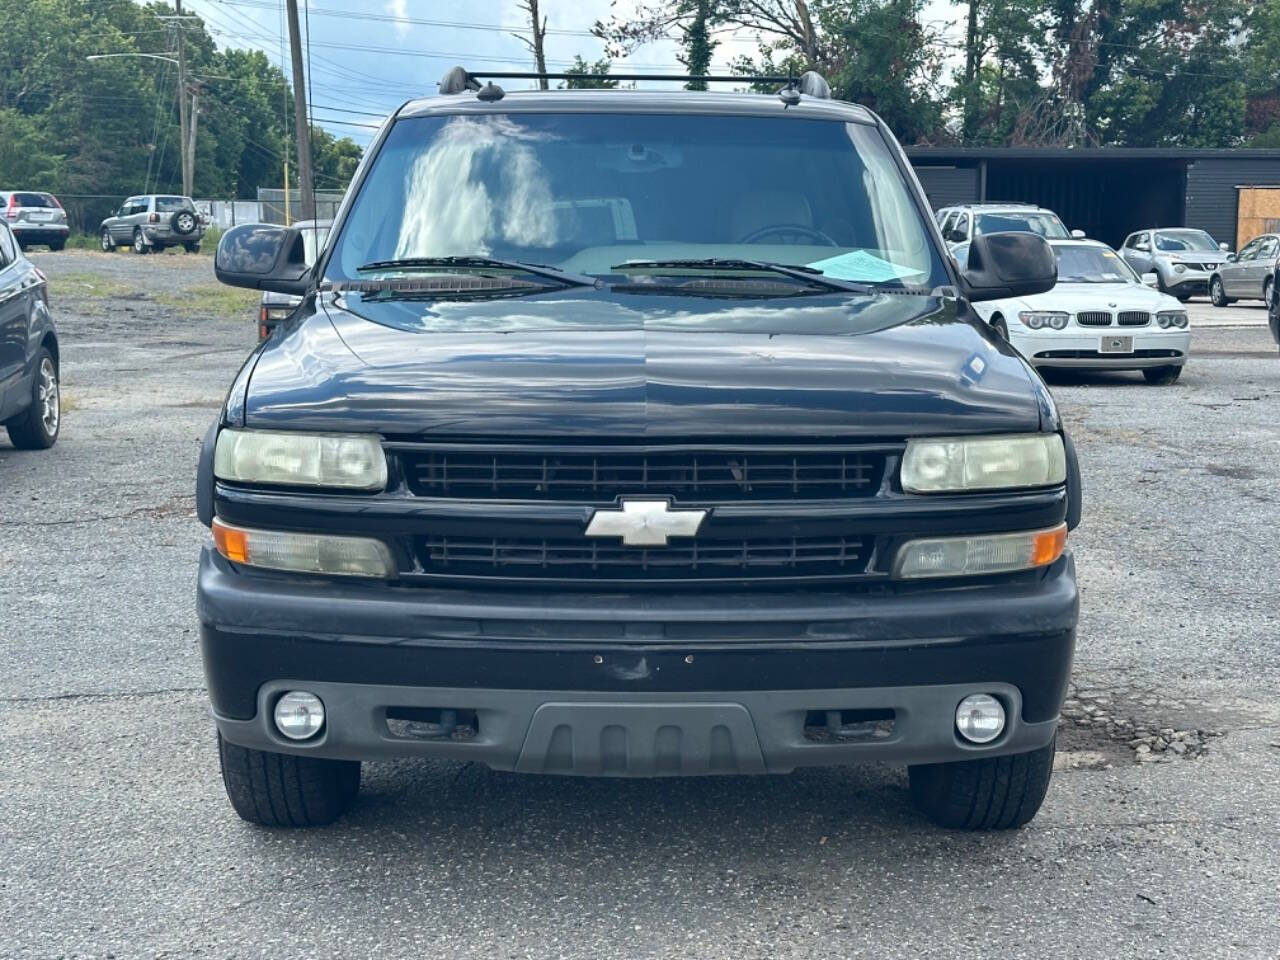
(602, 364)
(1075, 297)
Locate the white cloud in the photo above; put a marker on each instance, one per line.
(400, 10)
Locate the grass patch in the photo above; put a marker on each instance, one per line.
(212, 300)
(87, 285)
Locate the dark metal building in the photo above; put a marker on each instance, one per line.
(1108, 192)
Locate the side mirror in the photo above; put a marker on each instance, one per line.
(1005, 265)
(1077, 234)
(261, 256)
(1223, 247)
(1150, 280)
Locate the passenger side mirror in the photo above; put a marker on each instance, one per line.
(1077, 234)
(1223, 247)
(1151, 280)
(1005, 265)
(261, 256)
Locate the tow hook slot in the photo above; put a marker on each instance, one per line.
(848, 726)
(432, 723)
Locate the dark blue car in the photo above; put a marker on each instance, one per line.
(29, 406)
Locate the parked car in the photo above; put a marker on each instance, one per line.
(1100, 315)
(1247, 275)
(275, 308)
(960, 224)
(1183, 259)
(35, 217)
(29, 403)
(603, 444)
(153, 222)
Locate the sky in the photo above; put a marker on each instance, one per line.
(369, 56)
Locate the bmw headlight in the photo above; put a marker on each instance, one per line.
(301, 459)
(1040, 319)
(962, 464)
(1172, 318)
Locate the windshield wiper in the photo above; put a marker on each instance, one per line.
(807, 274)
(481, 263)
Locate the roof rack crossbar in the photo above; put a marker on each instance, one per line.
(515, 75)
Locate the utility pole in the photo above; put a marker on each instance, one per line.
(191, 136)
(184, 119)
(539, 36)
(306, 185)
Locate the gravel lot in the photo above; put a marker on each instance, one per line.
(117, 840)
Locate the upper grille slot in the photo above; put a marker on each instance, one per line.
(602, 476)
(1093, 318)
(1133, 318)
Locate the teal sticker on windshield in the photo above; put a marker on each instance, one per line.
(860, 265)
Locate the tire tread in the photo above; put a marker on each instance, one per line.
(991, 793)
(282, 790)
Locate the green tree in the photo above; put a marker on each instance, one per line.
(26, 152)
(588, 72)
(698, 46)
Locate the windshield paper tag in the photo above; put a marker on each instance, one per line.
(860, 265)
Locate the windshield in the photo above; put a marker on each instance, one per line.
(583, 192)
(1091, 265)
(1046, 225)
(1172, 241)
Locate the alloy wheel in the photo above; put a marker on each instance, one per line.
(106, 242)
(47, 394)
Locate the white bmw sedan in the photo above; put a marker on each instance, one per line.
(1100, 315)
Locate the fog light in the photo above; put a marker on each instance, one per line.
(300, 715)
(980, 718)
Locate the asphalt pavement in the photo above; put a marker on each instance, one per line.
(116, 839)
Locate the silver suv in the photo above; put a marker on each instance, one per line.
(153, 222)
(34, 217)
(960, 224)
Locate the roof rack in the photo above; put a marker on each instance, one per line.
(460, 80)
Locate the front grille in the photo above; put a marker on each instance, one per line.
(696, 559)
(1095, 355)
(603, 475)
(1093, 318)
(1133, 318)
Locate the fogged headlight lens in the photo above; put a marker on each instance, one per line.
(303, 552)
(296, 458)
(1041, 319)
(1171, 318)
(983, 463)
(974, 556)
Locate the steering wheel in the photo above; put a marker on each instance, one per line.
(789, 229)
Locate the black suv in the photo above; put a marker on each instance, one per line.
(634, 434)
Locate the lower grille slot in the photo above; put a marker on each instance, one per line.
(694, 559)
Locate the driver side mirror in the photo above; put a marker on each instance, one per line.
(261, 256)
(1223, 247)
(1077, 234)
(1005, 265)
(1150, 280)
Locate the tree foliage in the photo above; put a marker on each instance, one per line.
(94, 131)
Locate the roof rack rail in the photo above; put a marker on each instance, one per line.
(459, 80)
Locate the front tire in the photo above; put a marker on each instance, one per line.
(283, 790)
(1000, 327)
(108, 245)
(36, 428)
(1162, 376)
(1266, 291)
(57, 245)
(191, 247)
(139, 242)
(1218, 293)
(992, 793)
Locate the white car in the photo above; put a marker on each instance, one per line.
(1100, 315)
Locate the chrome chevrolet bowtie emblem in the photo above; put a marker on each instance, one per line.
(645, 523)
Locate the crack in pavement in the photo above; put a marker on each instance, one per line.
(105, 697)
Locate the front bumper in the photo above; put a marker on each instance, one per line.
(1188, 284)
(637, 684)
(1152, 347)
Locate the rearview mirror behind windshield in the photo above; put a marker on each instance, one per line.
(262, 256)
(1004, 265)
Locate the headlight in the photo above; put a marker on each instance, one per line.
(983, 463)
(974, 556)
(1179, 268)
(1038, 319)
(300, 459)
(1172, 318)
